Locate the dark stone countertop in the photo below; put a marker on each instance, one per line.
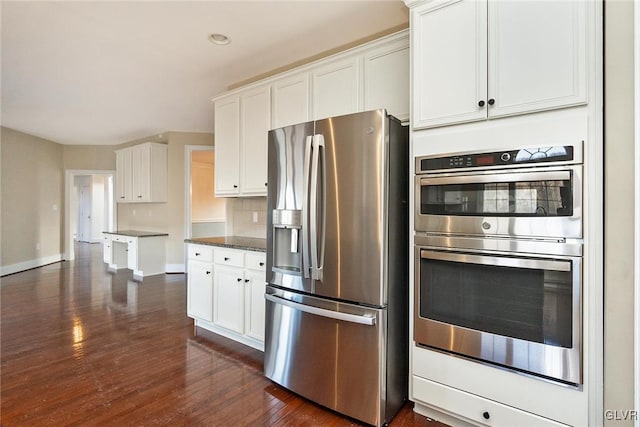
(235, 242)
(136, 233)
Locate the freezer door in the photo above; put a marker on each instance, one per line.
(331, 353)
(351, 220)
(287, 205)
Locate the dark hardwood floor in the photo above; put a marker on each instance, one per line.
(82, 346)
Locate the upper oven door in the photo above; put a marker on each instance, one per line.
(529, 202)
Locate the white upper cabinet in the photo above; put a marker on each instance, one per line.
(337, 88)
(386, 79)
(141, 173)
(291, 100)
(537, 55)
(450, 62)
(371, 76)
(227, 144)
(474, 59)
(123, 176)
(242, 123)
(255, 122)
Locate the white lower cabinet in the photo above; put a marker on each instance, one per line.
(226, 292)
(470, 408)
(200, 290)
(254, 303)
(228, 300)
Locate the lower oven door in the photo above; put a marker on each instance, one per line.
(521, 312)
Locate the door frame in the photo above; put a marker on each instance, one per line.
(69, 178)
(636, 263)
(188, 149)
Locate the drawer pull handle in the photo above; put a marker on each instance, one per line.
(246, 280)
(239, 279)
(197, 253)
(226, 258)
(208, 272)
(262, 264)
(486, 415)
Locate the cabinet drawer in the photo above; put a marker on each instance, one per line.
(201, 253)
(478, 410)
(229, 257)
(256, 260)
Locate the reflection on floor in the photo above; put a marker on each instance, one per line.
(83, 346)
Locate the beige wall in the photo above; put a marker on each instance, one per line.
(167, 217)
(619, 209)
(32, 198)
(89, 157)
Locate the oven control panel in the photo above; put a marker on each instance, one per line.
(495, 159)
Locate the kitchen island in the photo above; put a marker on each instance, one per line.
(225, 286)
(141, 251)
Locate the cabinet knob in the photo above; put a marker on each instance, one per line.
(481, 104)
(239, 279)
(262, 264)
(197, 253)
(492, 101)
(246, 280)
(265, 184)
(122, 197)
(226, 258)
(208, 272)
(235, 186)
(486, 415)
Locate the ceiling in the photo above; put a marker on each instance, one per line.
(106, 72)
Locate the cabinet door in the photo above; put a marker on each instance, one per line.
(255, 120)
(386, 79)
(229, 298)
(254, 314)
(337, 88)
(227, 143)
(537, 55)
(107, 254)
(200, 290)
(132, 253)
(141, 172)
(449, 62)
(290, 101)
(124, 177)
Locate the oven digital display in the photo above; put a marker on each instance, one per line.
(484, 160)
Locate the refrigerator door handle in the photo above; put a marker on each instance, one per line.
(317, 247)
(306, 170)
(365, 319)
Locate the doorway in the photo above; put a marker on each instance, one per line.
(89, 207)
(204, 213)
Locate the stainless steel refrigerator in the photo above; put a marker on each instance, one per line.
(337, 263)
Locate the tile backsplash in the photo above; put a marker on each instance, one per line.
(242, 211)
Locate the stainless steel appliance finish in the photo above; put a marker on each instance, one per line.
(519, 311)
(498, 258)
(337, 263)
(538, 198)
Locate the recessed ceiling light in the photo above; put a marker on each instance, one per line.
(220, 39)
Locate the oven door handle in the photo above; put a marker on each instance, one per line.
(499, 261)
(563, 175)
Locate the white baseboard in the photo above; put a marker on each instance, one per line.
(27, 265)
(174, 268)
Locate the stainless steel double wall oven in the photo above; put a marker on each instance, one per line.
(498, 258)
